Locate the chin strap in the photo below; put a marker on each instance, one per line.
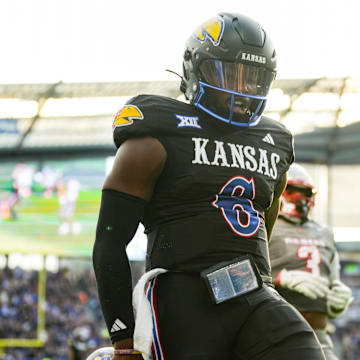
(174, 72)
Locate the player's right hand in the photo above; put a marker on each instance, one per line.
(312, 286)
(126, 344)
(128, 357)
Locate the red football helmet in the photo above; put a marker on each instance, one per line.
(299, 195)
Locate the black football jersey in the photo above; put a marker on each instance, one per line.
(307, 247)
(208, 204)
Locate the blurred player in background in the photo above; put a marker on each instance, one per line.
(304, 260)
(205, 178)
(23, 176)
(68, 194)
(48, 178)
(21, 187)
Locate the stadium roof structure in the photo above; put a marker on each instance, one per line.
(75, 118)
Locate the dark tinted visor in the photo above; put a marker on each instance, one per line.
(303, 190)
(241, 78)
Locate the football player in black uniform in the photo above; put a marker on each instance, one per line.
(304, 260)
(205, 178)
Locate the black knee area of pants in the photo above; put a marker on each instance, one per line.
(280, 320)
(271, 323)
(299, 346)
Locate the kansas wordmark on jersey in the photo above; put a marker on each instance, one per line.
(236, 155)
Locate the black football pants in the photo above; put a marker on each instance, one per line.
(258, 326)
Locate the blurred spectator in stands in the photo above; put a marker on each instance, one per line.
(72, 310)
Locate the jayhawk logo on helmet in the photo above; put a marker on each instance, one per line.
(212, 29)
(126, 116)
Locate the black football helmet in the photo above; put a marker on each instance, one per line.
(299, 196)
(229, 65)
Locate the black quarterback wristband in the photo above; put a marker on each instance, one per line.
(126, 352)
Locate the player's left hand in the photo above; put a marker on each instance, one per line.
(338, 298)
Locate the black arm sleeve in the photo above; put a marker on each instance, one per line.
(118, 221)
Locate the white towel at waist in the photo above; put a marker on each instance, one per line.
(143, 333)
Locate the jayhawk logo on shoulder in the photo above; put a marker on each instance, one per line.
(212, 29)
(126, 116)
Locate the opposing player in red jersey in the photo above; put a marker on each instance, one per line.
(304, 259)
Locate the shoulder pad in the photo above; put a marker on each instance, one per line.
(146, 115)
(276, 125)
(283, 137)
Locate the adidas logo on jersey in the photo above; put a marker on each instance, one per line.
(118, 325)
(268, 139)
(188, 121)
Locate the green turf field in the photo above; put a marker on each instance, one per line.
(36, 226)
(33, 223)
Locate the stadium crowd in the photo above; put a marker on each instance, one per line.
(72, 314)
(74, 325)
